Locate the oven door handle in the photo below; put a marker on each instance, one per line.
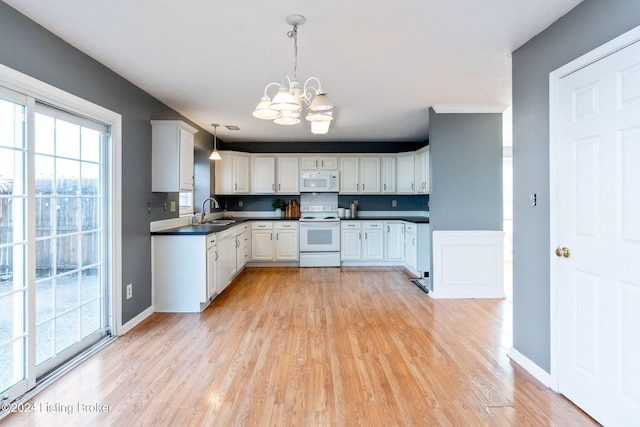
(316, 224)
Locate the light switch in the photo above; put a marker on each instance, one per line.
(173, 206)
(394, 203)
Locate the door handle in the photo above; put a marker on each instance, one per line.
(562, 252)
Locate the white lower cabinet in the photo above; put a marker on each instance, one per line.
(373, 241)
(411, 246)
(351, 240)
(212, 261)
(274, 241)
(362, 240)
(394, 242)
(227, 266)
(184, 272)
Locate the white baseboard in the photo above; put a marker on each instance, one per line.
(540, 374)
(468, 264)
(135, 321)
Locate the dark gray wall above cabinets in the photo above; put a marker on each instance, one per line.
(32, 50)
(465, 153)
(321, 147)
(589, 25)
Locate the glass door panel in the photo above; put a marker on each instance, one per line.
(13, 283)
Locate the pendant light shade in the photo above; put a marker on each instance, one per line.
(263, 111)
(214, 154)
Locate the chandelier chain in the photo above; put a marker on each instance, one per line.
(293, 34)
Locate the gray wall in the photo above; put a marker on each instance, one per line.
(466, 171)
(30, 49)
(586, 27)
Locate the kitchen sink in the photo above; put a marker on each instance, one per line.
(221, 221)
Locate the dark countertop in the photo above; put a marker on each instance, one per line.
(204, 229)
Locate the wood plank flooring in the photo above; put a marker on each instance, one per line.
(311, 347)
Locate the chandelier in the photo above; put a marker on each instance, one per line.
(286, 106)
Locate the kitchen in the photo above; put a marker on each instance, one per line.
(321, 234)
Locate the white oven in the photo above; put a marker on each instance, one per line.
(319, 181)
(319, 236)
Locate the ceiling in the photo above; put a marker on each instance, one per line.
(382, 63)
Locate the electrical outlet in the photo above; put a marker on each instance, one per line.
(240, 203)
(129, 290)
(173, 206)
(394, 203)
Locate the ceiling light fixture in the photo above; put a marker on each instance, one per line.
(214, 154)
(286, 106)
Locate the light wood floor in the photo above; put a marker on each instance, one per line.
(313, 346)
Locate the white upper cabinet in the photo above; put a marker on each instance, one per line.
(422, 171)
(359, 175)
(288, 176)
(370, 175)
(172, 143)
(349, 176)
(318, 163)
(405, 182)
(232, 173)
(388, 174)
(264, 173)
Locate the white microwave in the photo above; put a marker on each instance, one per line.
(318, 181)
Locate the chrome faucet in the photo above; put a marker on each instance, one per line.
(215, 205)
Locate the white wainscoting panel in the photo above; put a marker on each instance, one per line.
(468, 264)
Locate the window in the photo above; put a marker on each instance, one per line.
(185, 200)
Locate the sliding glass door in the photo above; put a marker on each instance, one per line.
(53, 201)
(13, 243)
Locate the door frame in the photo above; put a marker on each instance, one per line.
(32, 87)
(555, 77)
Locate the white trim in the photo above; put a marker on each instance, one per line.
(136, 321)
(526, 363)
(42, 91)
(595, 55)
(469, 108)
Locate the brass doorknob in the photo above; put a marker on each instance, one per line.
(562, 252)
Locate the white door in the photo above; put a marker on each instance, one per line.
(598, 221)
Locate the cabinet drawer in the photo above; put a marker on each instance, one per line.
(373, 225)
(350, 225)
(262, 225)
(411, 227)
(286, 225)
(211, 241)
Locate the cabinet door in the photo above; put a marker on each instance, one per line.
(422, 172)
(411, 248)
(264, 171)
(388, 175)
(327, 163)
(351, 245)
(262, 245)
(186, 160)
(373, 245)
(405, 181)
(286, 245)
(288, 175)
(226, 268)
(349, 175)
(370, 175)
(308, 163)
(241, 174)
(395, 241)
(212, 261)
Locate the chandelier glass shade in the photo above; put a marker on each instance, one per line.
(286, 106)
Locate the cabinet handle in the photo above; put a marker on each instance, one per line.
(388, 229)
(359, 236)
(271, 236)
(414, 241)
(216, 256)
(412, 187)
(322, 162)
(363, 186)
(385, 186)
(365, 236)
(316, 163)
(277, 236)
(273, 187)
(235, 186)
(279, 187)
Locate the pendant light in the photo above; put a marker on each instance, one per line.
(214, 154)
